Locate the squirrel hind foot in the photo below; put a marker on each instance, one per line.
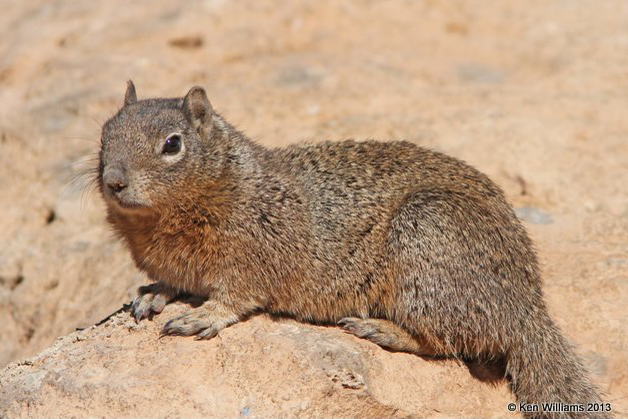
(387, 335)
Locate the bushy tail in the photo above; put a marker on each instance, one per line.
(548, 376)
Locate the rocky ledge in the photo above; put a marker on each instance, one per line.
(262, 367)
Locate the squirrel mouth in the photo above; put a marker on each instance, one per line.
(127, 205)
(120, 203)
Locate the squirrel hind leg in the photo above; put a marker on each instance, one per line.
(387, 335)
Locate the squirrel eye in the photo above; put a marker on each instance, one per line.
(172, 144)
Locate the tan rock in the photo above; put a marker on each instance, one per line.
(258, 368)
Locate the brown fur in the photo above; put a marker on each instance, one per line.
(408, 247)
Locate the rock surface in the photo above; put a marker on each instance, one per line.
(532, 93)
(258, 368)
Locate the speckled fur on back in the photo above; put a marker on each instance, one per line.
(409, 248)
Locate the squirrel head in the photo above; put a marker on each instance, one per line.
(153, 150)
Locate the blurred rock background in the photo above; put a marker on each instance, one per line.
(532, 93)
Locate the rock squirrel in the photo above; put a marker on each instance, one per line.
(409, 248)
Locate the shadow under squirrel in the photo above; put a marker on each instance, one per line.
(409, 248)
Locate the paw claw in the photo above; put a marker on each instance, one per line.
(140, 312)
(169, 332)
(158, 304)
(358, 327)
(349, 324)
(167, 326)
(164, 332)
(149, 301)
(134, 304)
(207, 334)
(194, 322)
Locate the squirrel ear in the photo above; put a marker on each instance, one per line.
(197, 108)
(130, 96)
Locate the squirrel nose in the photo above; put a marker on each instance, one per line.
(115, 180)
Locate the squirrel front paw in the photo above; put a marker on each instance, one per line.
(205, 322)
(151, 299)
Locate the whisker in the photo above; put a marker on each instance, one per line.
(96, 121)
(82, 177)
(94, 141)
